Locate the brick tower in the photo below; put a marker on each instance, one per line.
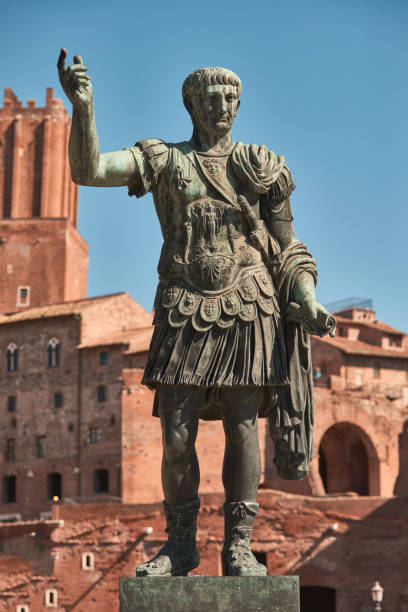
(43, 258)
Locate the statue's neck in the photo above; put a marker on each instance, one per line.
(208, 142)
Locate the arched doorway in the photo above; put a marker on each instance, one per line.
(348, 461)
(317, 599)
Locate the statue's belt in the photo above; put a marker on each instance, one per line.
(252, 292)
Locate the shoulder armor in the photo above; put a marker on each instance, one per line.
(157, 153)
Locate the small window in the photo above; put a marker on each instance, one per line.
(70, 427)
(9, 487)
(51, 598)
(101, 481)
(101, 393)
(12, 358)
(103, 357)
(22, 609)
(54, 486)
(58, 400)
(10, 449)
(87, 561)
(40, 446)
(376, 369)
(11, 403)
(23, 296)
(341, 331)
(323, 370)
(113, 420)
(14, 423)
(53, 353)
(93, 435)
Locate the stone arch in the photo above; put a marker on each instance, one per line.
(401, 484)
(348, 460)
(314, 598)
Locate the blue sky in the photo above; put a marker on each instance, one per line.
(324, 83)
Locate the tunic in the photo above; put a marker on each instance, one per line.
(224, 286)
(217, 318)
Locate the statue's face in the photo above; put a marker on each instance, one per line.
(214, 108)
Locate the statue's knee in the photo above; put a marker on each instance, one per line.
(240, 432)
(175, 445)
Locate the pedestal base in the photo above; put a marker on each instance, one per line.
(210, 594)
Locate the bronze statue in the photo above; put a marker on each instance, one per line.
(233, 311)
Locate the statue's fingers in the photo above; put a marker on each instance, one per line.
(78, 68)
(78, 59)
(61, 61)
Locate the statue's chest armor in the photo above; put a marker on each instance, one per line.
(207, 237)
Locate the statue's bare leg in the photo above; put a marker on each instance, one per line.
(242, 461)
(178, 409)
(180, 469)
(241, 475)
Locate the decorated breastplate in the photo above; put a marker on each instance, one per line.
(211, 267)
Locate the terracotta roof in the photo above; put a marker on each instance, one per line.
(380, 325)
(356, 347)
(60, 309)
(138, 340)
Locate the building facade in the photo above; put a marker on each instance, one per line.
(80, 452)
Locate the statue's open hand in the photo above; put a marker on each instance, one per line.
(74, 81)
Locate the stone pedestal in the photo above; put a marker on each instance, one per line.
(210, 594)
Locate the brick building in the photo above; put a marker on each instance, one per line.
(80, 453)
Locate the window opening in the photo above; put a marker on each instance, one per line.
(40, 446)
(93, 435)
(54, 486)
(101, 481)
(23, 296)
(12, 358)
(10, 449)
(87, 561)
(376, 369)
(314, 598)
(58, 399)
(11, 403)
(9, 486)
(53, 352)
(101, 393)
(103, 357)
(51, 598)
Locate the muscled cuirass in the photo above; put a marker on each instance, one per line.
(212, 263)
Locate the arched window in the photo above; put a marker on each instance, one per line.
(101, 393)
(376, 369)
(54, 485)
(53, 353)
(101, 481)
(12, 358)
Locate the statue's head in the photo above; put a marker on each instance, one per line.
(211, 96)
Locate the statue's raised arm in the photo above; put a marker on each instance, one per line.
(88, 165)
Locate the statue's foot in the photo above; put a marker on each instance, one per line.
(239, 561)
(171, 560)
